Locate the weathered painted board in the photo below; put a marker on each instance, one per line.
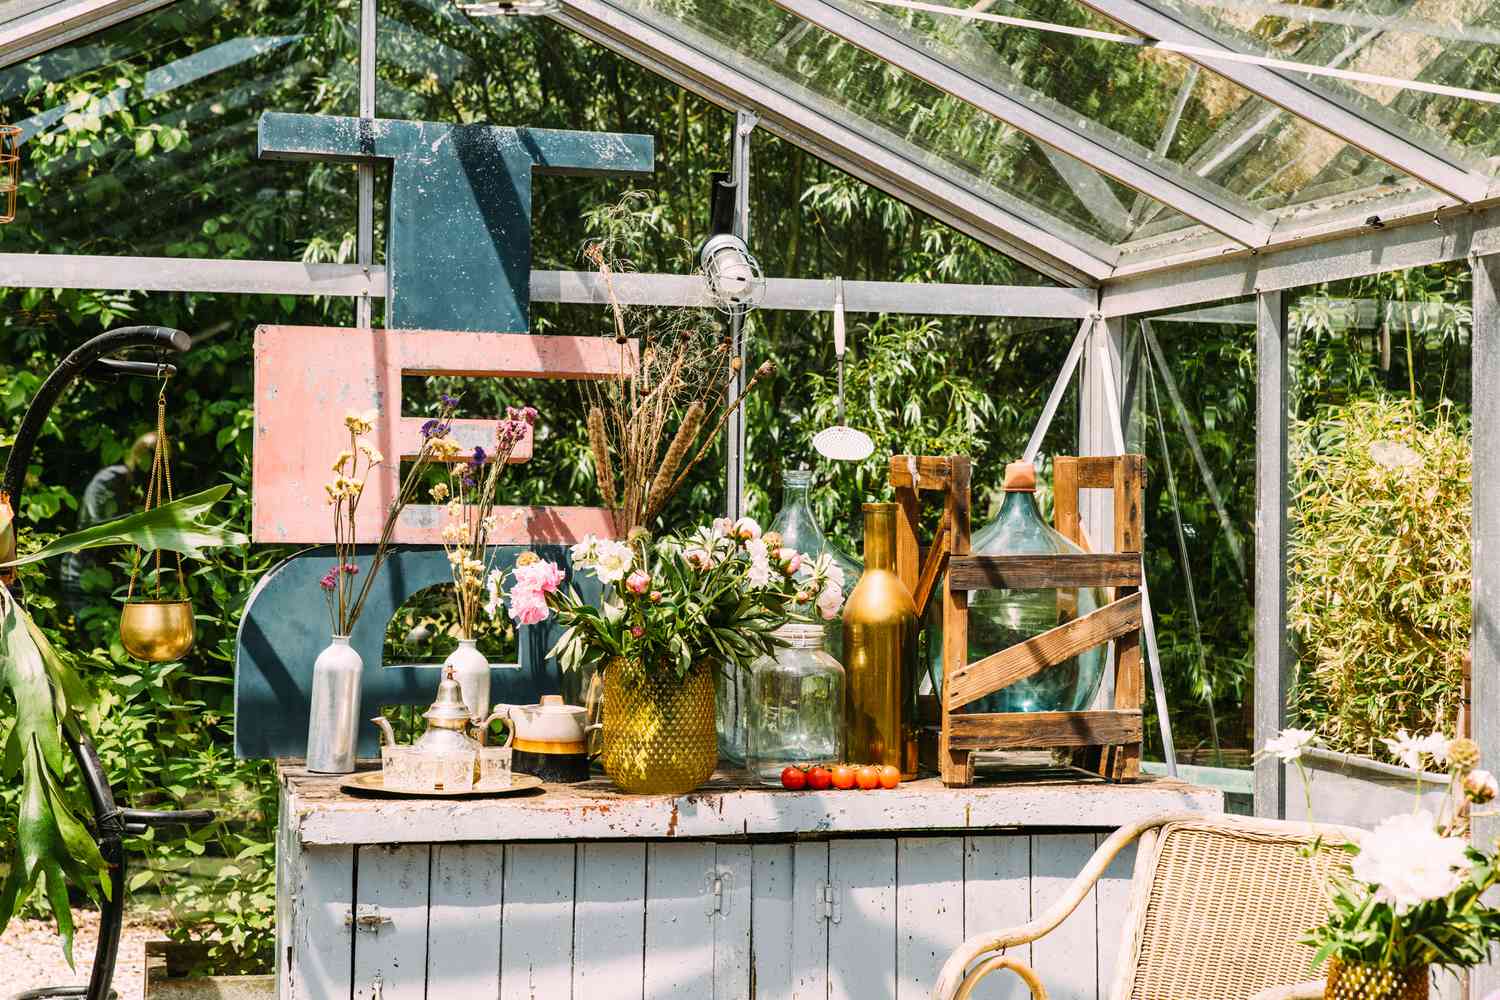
(790, 921)
(463, 930)
(536, 938)
(679, 934)
(611, 921)
(392, 892)
(929, 910)
(595, 810)
(308, 377)
(1061, 958)
(997, 895)
(862, 944)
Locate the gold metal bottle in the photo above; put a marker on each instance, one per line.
(880, 653)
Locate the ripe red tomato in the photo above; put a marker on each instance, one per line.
(793, 778)
(868, 777)
(842, 776)
(890, 776)
(819, 777)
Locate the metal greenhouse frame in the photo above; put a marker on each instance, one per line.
(1231, 248)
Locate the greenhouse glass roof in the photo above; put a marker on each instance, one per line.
(1088, 140)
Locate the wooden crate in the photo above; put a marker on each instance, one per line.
(1104, 741)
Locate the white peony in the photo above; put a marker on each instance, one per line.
(760, 563)
(495, 595)
(1288, 745)
(612, 562)
(585, 552)
(747, 528)
(1409, 862)
(829, 601)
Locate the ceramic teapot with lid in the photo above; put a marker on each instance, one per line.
(550, 738)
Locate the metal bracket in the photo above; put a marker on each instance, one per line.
(827, 902)
(366, 917)
(714, 883)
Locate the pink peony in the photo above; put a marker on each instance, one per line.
(542, 576)
(639, 582)
(791, 560)
(527, 607)
(637, 631)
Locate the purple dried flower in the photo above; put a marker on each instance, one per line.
(330, 580)
(478, 457)
(524, 414)
(449, 402)
(433, 428)
(351, 568)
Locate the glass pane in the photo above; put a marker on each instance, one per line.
(910, 117)
(1449, 44)
(140, 140)
(1380, 456)
(1190, 389)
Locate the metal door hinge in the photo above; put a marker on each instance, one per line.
(715, 882)
(366, 917)
(828, 902)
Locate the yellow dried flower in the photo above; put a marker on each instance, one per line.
(373, 456)
(1463, 755)
(341, 460)
(440, 493)
(527, 558)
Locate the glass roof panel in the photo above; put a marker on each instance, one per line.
(141, 139)
(1454, 43)
(965, 144)
(1215, 135)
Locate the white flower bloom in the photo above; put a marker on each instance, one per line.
(494, 596)
(1409, 749)
(759, 574)
(1435, 745)
(613, 561)
(747, 528)
(1409, 862)
(723, 527)
(1288, 745)
(585, 552)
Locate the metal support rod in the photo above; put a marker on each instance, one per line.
(365, 176)
(1485, 707)
(734, 472)
(1059, 388)
(1272, 654)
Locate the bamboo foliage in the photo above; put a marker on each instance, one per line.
(649, 427)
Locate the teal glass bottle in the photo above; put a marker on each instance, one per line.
(800, 530)
(1002, 618)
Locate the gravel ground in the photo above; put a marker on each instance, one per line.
(31, 955)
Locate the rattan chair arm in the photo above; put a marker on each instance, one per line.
(994, 963)
(1312, 989)
(952, 977)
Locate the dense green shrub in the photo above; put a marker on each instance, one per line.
(1379, 570)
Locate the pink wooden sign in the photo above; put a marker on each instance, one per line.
(308, 377)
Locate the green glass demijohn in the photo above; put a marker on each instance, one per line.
(800, 530)
(1001, 618)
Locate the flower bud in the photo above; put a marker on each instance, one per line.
(1463, 755)
(1480, 786)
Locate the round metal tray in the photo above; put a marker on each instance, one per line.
(373, 783)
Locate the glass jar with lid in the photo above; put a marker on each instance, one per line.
(796, 705)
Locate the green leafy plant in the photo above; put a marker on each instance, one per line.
(52, 844)
(1379, 569)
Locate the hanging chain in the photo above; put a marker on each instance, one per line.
(158, 492)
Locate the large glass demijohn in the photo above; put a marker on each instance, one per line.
(800, 530)
(1002, 618)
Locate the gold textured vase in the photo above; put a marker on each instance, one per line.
(880, 654)
(659, 735)
(1366, 981)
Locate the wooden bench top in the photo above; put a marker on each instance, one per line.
(726, 808)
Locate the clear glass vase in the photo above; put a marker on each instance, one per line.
(800, 530)
(796, 703)
(1002, 618)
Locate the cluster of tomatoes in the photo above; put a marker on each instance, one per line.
(819, 777)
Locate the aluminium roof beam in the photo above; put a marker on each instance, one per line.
(1030, 235)
(1439, 168)
(30, 27)
(1047, 122)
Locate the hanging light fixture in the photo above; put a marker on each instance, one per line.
(10, 170)
(507, 8)
(731, 272)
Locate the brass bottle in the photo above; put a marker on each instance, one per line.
(880, 654)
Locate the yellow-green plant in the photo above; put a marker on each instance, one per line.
(1378, 589)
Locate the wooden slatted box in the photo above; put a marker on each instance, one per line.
(1104, 741)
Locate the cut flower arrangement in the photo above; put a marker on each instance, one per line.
(676, 609)
(715, 596)
(1412, 895)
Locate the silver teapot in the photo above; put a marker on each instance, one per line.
(449, 754)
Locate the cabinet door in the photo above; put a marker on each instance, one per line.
(862, 942)
(390, 947)
(536, 938)
(790, 922)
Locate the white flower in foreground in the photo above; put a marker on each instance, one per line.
(1410, 750)
(585, 552)
(613, 561)
(1409, 863)
(495, 594)
(1287, 746)
(760, 563)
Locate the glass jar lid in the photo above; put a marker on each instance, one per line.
(801, 635)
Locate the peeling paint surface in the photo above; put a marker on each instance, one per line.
(458, 246)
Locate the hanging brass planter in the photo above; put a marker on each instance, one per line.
(155, 629)
(10, 170)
